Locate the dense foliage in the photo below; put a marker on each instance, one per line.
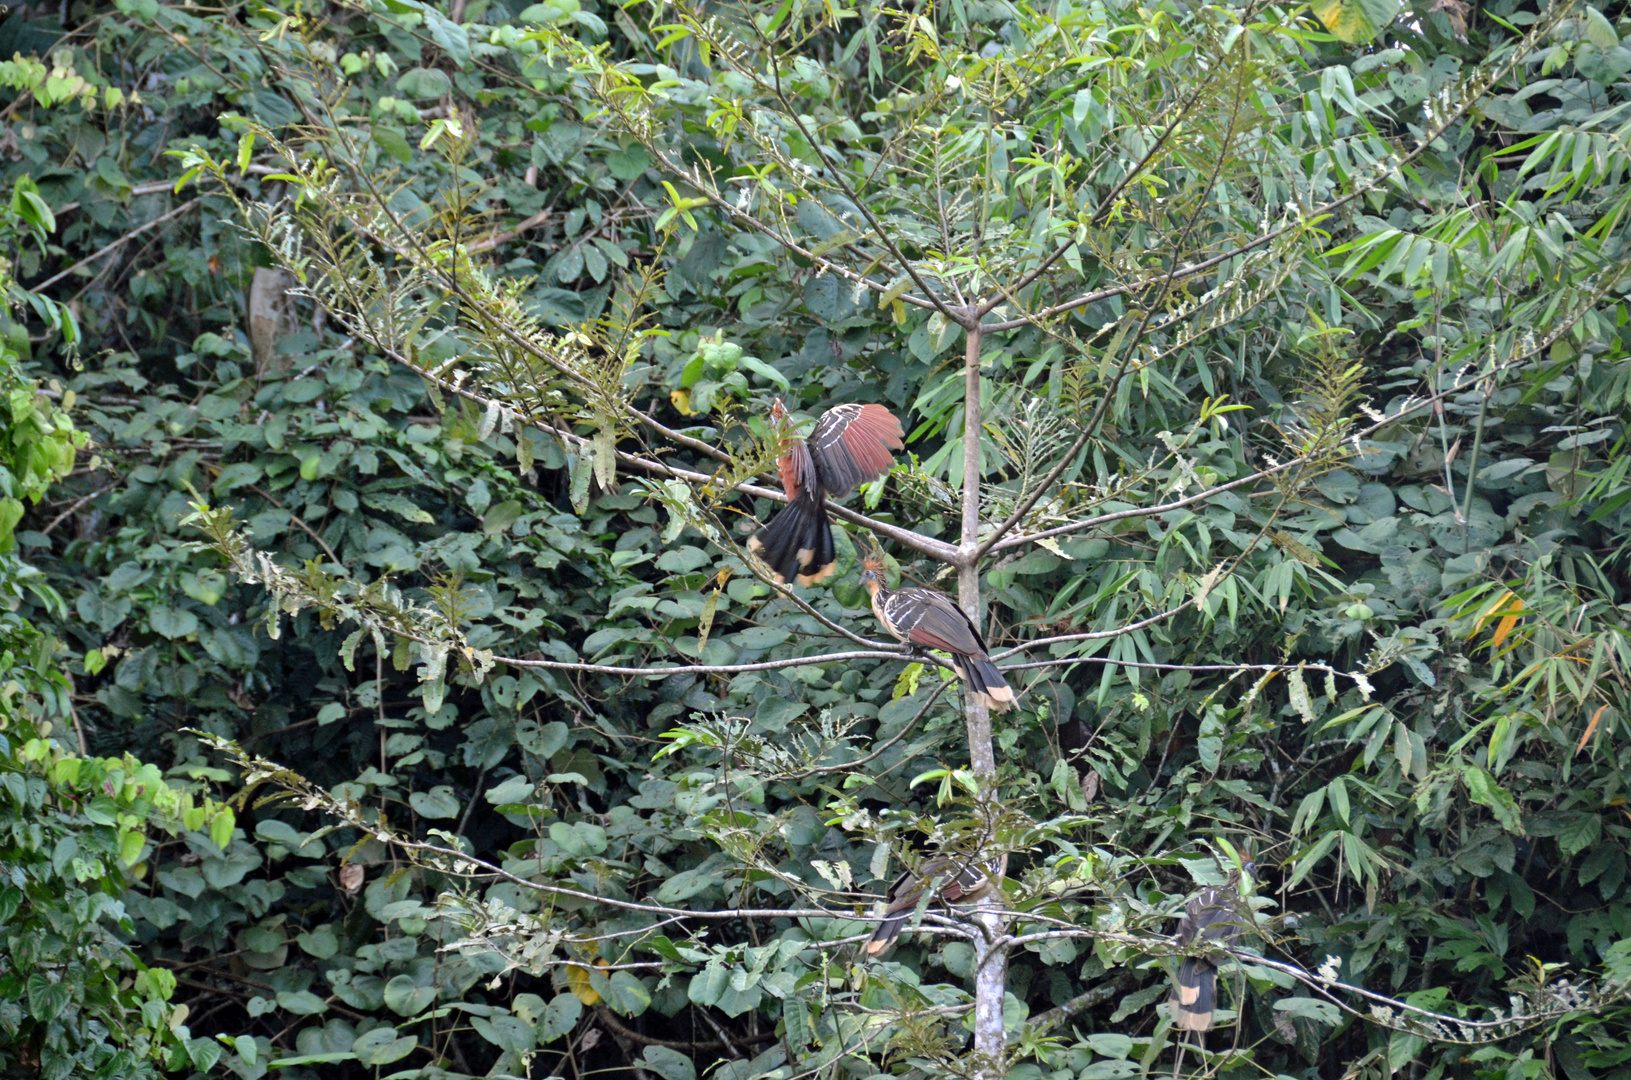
(1396, 666)
(75, 1001)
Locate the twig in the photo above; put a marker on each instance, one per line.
(606, 1017)
(73, 508)
(881, 749)
(723, 1038)
(1392, 169)
(488, 243)
(1082, 1002)
(475, 793)
(151, 188)
(466, 865)
(296, 518)
(131, 235)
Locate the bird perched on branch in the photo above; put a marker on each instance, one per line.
(932, 620)
(849, 446)
(957, 881)
(1216, 914)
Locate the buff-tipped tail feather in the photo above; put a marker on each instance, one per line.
(798, 543)
(1196, 1000)
(985, 683)
(888, 932)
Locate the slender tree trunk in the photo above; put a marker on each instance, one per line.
(990, 955)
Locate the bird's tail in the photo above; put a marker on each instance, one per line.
(1197, 996)
(797, 544)
(883, 938)
(986, 683)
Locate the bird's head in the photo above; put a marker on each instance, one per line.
(872, 572)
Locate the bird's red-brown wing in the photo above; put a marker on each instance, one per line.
(933, 621)
(904, 893)
(796, 468)
(851, 446)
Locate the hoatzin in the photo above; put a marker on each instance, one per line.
(1216, 914)
(932, 620)
(957, 881)
(850, 446)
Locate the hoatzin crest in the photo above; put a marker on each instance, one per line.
(850, 446)
(932, 620)
(1216, 914)
(955, 881)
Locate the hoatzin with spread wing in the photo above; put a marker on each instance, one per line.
(957, 881)
(932, 620)
(850, 446)
(1216, 914)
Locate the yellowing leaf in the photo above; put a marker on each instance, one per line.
(130, 846)
(705, 624)
(577, 981)
(682, 402)
(906, 682)
(1591, 726)
(1355, 21)
(1494, 609)
(222, 825)
(1505, 628)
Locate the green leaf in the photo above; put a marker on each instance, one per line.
(383, 1046)
(203, 1053)
(172, 623)
(439, 803)
(629, 163)
(500, 517)
(668, 1064)
(399, 505)
(1580, 831)
(516, 789)
(421, 82)
(222, 827)
(131, 844)
(765, 371)
(505, 1032)
(325, 1058)
(394, 141)
(320, 942)
(301, 1002)
(1111, 1045)
(1599, 31)
(626, 994)
(560, 1018)
(1356, 21)
(1483, 789)
(247, 1048)
(1308, 1008)
(405, 998)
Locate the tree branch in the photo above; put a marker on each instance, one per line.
(1405, 412)
(1388, 172)
(131, 235)
(938, 549)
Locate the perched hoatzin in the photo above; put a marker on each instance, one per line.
(959, 881)
(1217, 914)
(932, 620)
(849, 447)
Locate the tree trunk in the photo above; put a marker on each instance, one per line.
(990, 955)
(271, 316)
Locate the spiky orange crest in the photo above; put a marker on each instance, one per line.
(873, 563)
